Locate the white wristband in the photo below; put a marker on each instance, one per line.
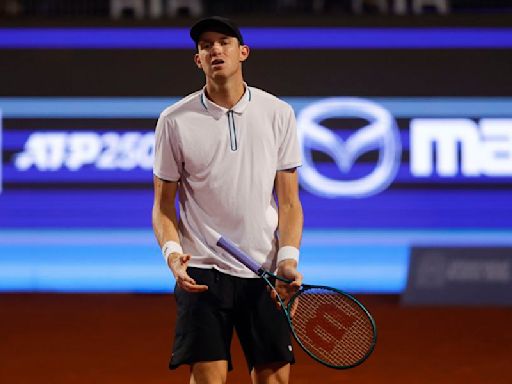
(170, 247)
(287, 252)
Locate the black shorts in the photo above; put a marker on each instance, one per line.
(206, 320)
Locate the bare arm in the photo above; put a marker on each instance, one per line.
(165, 221)
(290, 228)
(290, 208)
(165, 226)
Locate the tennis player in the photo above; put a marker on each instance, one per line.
(228, 152)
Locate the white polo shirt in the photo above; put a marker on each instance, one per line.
(226, 162)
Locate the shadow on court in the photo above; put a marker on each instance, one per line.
(51, 338)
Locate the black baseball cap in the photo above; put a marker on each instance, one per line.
(215, 24)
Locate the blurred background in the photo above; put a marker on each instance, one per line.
(404, 111)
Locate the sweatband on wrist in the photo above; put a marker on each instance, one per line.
(170, 247)
(287, 252)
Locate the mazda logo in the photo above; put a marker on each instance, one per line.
(381, 134)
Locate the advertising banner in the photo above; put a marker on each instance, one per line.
(459, 275)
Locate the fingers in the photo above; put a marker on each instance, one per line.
(275, 297)
(188, 284)
(295, 276)
(287, 290)
(194, 288)
(178, 261)
(291, 273)
(183, 280)
(294, 307)
(281, 295)
(297, 282)
(184, 259)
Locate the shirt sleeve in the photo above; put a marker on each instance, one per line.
(167, 162)
(289, 154)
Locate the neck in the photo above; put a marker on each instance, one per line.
(225, 94)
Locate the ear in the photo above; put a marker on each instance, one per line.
(244, 52)
(197, 60)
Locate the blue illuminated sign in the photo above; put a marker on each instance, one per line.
(82, 156)
(262, 38)
(150, 107)
(455, 141)
(1, 163)
(73, 167)
(129, 260)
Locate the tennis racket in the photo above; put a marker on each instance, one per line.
(330, 325)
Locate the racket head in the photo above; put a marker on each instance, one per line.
(332, 326)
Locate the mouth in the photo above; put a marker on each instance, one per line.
(217, 62)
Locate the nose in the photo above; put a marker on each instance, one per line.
(216, 48)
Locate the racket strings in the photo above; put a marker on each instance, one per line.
(332, 327)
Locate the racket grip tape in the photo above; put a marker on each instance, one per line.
(240, 255)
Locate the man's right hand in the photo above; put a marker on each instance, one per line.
(178, 264)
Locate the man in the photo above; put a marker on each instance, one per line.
(226, 150)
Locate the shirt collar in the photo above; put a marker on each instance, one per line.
(217, 111)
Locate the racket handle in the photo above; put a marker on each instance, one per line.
(240, 255)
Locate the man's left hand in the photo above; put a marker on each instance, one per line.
(288, 270)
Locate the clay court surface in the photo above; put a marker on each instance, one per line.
(95, 339)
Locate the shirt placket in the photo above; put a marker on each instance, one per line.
(232, 131)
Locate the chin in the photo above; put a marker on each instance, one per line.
(218, 76)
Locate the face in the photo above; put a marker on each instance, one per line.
(220, 56)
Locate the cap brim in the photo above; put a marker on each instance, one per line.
(214, 25)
